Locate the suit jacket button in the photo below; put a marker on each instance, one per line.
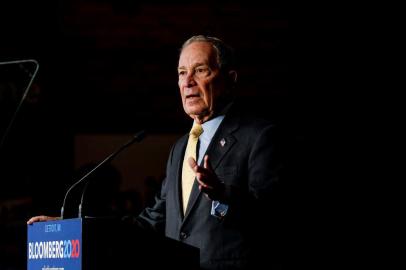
(183, 235)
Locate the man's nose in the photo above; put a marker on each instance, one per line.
(190, 80)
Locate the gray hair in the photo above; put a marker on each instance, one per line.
(225, 54)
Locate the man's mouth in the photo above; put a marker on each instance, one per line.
(192, 96)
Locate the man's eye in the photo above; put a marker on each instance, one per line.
(182, 73)
(200, 70)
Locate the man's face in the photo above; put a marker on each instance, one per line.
(200, 80)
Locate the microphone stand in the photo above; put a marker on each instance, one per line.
(137, 138)
(3, 139)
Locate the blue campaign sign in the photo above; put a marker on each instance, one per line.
(55, 245)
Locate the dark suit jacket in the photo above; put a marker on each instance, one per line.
(249, 164)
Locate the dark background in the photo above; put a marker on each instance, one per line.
(109, 67)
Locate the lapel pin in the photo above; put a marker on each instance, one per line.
(222, 142)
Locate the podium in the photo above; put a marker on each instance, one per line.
(103, 243)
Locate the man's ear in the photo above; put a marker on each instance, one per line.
(232, 74)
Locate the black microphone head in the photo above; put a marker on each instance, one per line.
(139, 136)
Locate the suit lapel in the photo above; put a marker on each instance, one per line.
(222, 141)
(178, 188)
(220, 144)
(218, 148)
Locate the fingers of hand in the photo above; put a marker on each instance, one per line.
(193, 164)
(206, 162)
(204, 175)
(201, 180)
(40, 218)
(35, 219)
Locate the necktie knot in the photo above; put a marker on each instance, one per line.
(196, 130)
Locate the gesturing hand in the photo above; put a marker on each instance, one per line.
(207, 179)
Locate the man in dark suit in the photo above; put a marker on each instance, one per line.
(232, 212)
(222, 188)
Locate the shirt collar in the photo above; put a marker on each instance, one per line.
(210, 127)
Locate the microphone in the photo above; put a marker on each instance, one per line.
(137, 138)
(7, 130)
